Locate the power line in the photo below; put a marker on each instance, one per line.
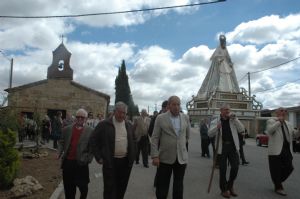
(243, 77)
(275, 65)
(111, 13)
(270, 67)
(277, 86)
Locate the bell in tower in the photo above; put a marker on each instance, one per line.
(60, 67)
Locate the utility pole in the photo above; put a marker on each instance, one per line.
(249, 87)
(11, 68)
(11, 72)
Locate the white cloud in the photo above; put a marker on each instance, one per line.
(74, 7)
(268, 29)
(155, 73)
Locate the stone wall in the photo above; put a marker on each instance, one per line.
(57, 94)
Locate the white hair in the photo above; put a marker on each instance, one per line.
(121, 105)
(82, 111)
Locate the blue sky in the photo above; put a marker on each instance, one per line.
(166, 52)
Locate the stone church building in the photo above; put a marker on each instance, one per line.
(57, 93)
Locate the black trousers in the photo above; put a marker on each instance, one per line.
(229, 153)
(164, 173)
(242, 155)
(204, 147)
(75, 175)
(280, 167)
(116, 179)
(143, 146)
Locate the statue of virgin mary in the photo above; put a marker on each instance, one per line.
(221, 75)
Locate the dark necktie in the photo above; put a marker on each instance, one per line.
(283, 132)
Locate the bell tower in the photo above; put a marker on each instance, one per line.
(60, 67)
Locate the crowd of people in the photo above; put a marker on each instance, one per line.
(116, 144)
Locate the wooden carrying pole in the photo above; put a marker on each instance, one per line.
(214, 162)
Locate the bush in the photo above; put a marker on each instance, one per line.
(9, 158)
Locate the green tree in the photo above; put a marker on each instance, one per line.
(9, 159)
(123, 92)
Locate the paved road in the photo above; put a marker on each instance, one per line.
(253, 180)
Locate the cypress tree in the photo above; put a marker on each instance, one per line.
(123, 92)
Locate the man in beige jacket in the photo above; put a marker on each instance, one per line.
(140, 129)
(281, 134)
(169, 149)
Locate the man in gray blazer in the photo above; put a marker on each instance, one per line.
(281, 134)
(169, 149)
(76, 154)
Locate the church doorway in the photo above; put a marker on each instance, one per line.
(52, 112)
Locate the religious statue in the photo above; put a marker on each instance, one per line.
(221, 75)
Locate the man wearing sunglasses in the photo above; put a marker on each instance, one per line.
(76, 155)
(281, 134)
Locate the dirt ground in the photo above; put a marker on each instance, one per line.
(45, 169)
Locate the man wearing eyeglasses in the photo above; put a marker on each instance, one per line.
(113, 146)
(281, 134)
(76, 155)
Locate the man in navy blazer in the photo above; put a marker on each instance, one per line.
(281, 134)
(169, 149)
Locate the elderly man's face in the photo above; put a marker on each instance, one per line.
(144, 113)
(281, 112)
(225, 112)
(174, 106)
(80, 119)
(120, 114)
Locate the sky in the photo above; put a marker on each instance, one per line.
(167, 52)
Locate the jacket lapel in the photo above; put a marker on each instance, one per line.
(170, 122)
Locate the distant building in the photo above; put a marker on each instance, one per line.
(293, 117)
(58, 92)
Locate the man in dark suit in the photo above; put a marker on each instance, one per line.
(169, 149)
(113, 146)
(242, 143)
(204, 138)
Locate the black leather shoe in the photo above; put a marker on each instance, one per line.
(146, 166)
(245, 163)
(280, 192)
(232, 192)
(225, 194)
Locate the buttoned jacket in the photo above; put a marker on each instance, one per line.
(166, 144)
(83, 152)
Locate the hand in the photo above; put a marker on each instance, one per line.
(57, 156)
(155, 161)
(219, 125)
(280, 119)
(100, 161)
